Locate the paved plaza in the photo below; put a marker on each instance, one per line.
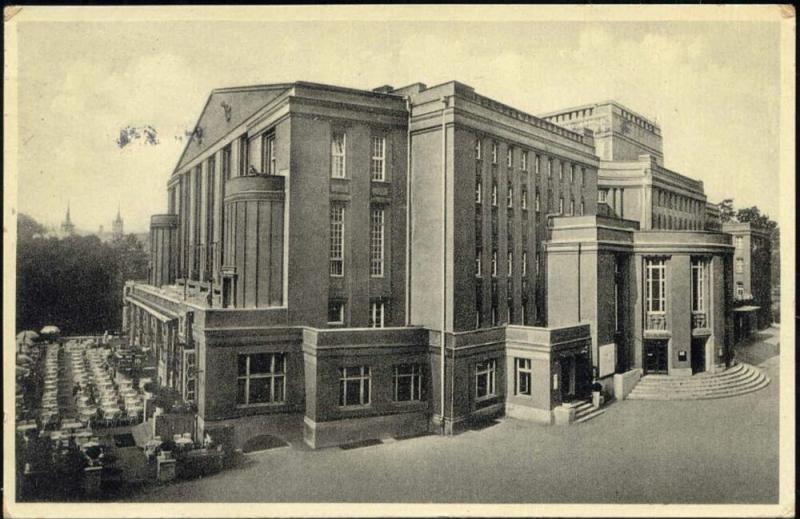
(708, 451)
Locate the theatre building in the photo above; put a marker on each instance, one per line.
(752, 277)
(338, 265)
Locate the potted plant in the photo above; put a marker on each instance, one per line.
(597, 395)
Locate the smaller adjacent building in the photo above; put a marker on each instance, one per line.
(752, 277)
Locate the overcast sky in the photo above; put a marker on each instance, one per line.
(713, 87)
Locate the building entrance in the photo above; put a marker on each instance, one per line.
(655, 357)
(568, 387)
(698, 355)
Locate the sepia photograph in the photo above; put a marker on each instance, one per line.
(379, 260)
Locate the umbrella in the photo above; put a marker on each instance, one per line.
(27, 337)
(50, 330)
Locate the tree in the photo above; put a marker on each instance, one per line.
(755, 218)
(726, 211)
(27, 227)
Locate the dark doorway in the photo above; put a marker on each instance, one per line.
(698, 355)
(655, 357)
(568, 387)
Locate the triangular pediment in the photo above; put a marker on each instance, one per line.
(226, 109)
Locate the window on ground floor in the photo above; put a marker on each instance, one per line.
(522, 376)
(354, 385)
(261, 378)
(408, 382)
(485, 379)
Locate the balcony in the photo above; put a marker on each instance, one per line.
(655, 322)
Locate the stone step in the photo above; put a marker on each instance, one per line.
(706, 391)
(759, 383)
(728, 373)
(699, 383)
(588, 416)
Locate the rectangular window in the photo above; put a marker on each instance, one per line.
(210, 199)
(335, 312)
(494, 153)
(561, 205)
(244, 152)
(510, 196)
(522, 376)
(226, 162)
(494, 194)
(581, 176)
(478, 154)
(354, 386)
(560, 167)
(583, 208)
(537, 202)
(337, 240)
(478, 253)
(494, 315)
(698, 286)
(655, 285)
(524, 263)
(510, 157)
(478, 191)
(510, 263)
(536, 163)
(602, 194)
(494, 263)
(549, 168)
(739, 291)
(485, 379)
(408, 383)
(376, 314)
(190, 385)
(572, 207)
(378, 159)
(261, 378)
(524, 198)
(338, 155)
(268, 154)
(572, 173)
(376, 242)
(524, 161)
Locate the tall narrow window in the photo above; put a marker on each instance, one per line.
(376, 242)
(560, 167)
(478, 253)
(226, 163)
(510, 196)
(244, 154)
(268, 162)
(524, 161)
(494, 153)
(523, 201)
(510, 263)
(549, 168)
(485, 379)
(378, 159)
(582, 207)
(522, 376)
(210, 200)
(561, 205)
(376, 313)
(494, 263)
(536, 163)
(571, 206)
(572, 173)
(337, 240)
(478, 154)
(338, 155)
(494, 194)
(354, 386)
(602, 195)
(478, 191)
(655, 285)
(524, 263)
(408, 385)
(581, 176)
(510, 157)
(698, 286)
(261, 378)
(537, 202)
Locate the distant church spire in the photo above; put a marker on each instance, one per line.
(67, 227)
(117, 225)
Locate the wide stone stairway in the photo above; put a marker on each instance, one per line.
(737, 380)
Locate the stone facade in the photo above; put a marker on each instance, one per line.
(338, 265)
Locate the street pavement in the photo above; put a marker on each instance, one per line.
(706, 451)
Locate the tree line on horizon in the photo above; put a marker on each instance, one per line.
(73, 282)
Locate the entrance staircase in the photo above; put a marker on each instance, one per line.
(737, 380)
(586, 411)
